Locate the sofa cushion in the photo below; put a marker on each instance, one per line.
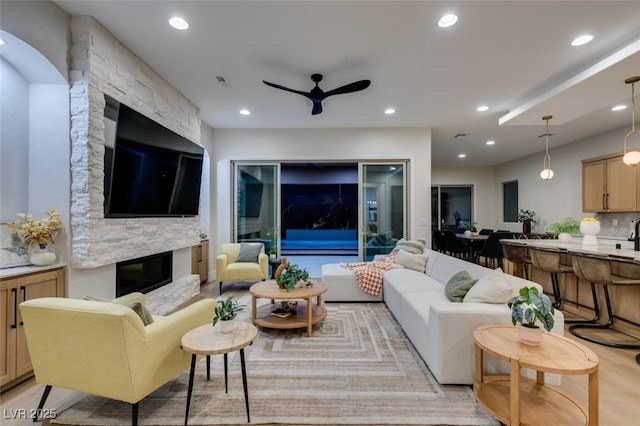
(249, 252)
(412, 246)
(458, 286)
(446, 266)
(417, 262)
(490, 288)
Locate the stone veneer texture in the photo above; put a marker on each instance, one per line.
(101, 65)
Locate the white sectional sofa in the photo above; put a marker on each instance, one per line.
(440, 330)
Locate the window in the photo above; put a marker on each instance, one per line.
(451, 206)
(510, 201)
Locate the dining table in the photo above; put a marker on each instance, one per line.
(471, 238)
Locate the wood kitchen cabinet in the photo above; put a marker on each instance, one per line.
(609, 185)
(15, 289)
(200, 260)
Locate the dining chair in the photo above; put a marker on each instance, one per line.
(492, 249)
(440, 241)
(454, 246)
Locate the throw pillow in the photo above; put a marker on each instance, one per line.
(490, 288)
(412, 246)
(249, 252)
(458, 286)
(137, 307)
(417, 262)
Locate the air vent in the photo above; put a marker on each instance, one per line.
(546, 134)
(222, 81)
(461, 135)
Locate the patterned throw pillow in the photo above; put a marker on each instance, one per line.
(458, 286)
(249, 252)
(412, 246)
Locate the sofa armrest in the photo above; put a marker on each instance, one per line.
(263, 261)
(221, 264)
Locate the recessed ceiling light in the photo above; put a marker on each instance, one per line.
(245, 111)
(583, 39)
(462, 155)
(178, 23)
(482, 108)
(1, 42)
(447, 20)
(619, 108)
(491, 142)
(389, 111)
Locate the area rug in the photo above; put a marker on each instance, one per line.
(357, 368)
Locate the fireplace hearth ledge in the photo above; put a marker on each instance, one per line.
(165, 299)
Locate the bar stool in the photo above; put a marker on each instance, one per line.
(517, 255)
(597, 270)
(596, 306)
(548, 260)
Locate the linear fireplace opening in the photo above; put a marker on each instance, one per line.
(144, 274)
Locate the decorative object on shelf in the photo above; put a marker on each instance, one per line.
(13, 251)
(38, 235)
(289, 276)
(526, 216)
(589, 227)
(631, 158)
(529, 306)
(546, 173)
(226, 311)
(565, 229)
(285, 309)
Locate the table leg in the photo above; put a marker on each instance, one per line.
(208, 367)
(515, 393)
(190, 389)
(309, 316)
(253, 308)
(225, 373)
(244, 383)
(593, 399)
(479, 373)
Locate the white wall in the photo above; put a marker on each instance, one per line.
(413, 144)
(560, 197)
(484, 195)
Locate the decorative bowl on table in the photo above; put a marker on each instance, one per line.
(589, 227)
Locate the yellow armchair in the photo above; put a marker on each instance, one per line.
(103, 348)
(229, 269)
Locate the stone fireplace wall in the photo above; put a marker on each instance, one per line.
(101, 65)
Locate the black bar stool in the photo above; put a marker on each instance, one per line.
(597, 270)
(547, 259)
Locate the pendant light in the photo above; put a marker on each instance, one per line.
(546, 173)
(631, 158)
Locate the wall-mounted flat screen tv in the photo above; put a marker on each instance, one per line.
(149, 169)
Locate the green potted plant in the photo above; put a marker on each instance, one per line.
(291, 275)
(526, 216)
(527, 308)
(565, 229)
(469, 227)
(226, 311)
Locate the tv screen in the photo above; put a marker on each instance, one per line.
(149, 169)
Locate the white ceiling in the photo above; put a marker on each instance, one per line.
(514, 56)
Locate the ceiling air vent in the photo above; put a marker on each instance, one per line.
(461, 135)
(222, 81)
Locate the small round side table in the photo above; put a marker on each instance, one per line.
(208, 340)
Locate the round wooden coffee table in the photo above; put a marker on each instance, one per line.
(306, 315)
(515, 400)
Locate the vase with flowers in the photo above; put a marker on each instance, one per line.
(39, 235)
(526, 216)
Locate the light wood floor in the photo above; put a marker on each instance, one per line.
(619, 381)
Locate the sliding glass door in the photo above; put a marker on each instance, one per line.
(451, 207)
(256, 197)
(383, 207)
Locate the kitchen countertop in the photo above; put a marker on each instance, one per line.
(21, 270)
(605, 247)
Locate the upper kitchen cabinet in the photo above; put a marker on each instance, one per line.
(609, 185)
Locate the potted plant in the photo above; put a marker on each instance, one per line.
(469, 228)
(226, 311)
(565, 229)
(527, 308)
(526, 216)
(290, 275)
(39, 235)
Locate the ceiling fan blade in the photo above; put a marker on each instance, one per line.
(349, 88)
(277, 86)
(317, 107)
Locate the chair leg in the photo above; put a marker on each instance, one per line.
(596, 308)
(573, 329)
(134, 414)
(43, 399)
(220, 287)
(557, 297)
(638, 358)
(526, 271)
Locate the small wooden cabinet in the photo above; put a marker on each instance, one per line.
(15, 361)
(609, 185)
(200, 260)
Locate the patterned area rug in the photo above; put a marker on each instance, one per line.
(357, 368)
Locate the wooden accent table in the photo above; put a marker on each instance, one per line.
(306, 315)
(208, 340)
(513, 399)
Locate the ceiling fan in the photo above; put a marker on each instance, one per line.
(317, 95)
